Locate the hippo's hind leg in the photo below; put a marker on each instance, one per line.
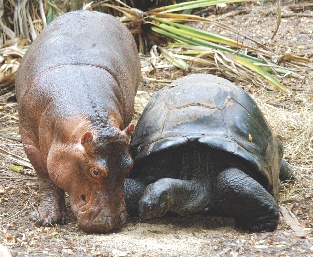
(240, 196)
(51, 208)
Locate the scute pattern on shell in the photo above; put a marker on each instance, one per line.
(211, 111)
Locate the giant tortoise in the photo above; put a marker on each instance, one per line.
(203, 144)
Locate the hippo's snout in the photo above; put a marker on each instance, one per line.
(101, 213)
(102, 222)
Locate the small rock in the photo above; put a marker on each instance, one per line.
(4, 251)
(118, 253)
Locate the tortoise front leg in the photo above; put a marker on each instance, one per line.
(180, 196)
(238, 195)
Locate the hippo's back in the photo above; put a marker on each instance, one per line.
(83, 38)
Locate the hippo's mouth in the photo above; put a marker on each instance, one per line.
(99, 222)
(93, 216)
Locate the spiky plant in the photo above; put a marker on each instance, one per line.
(196, 46)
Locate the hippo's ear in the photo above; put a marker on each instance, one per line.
(86, 138)
(129, 130)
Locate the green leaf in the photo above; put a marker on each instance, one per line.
(180, 35)
(246, 63)
(201, 34)
(16, 168)
(174, 60)
(188, 11)
(50, 14)
(193, 4)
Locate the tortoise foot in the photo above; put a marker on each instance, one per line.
(257, 224)
(243, 198)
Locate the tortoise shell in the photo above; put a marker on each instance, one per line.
(213, 112)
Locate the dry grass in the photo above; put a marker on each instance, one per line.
(293, 126)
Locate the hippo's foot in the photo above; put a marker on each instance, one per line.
(167, 194)
(50, 217)
(240, 196)
(52, 208)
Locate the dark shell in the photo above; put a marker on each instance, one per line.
(213, 112)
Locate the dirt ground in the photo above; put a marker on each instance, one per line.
(289, 115)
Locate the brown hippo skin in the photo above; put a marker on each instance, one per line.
(75, 89)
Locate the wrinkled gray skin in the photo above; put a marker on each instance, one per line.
(75, 89)
(203, 146)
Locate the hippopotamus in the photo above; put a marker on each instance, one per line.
(75, 89)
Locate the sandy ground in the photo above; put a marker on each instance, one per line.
(290, 117)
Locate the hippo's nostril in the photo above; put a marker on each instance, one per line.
(83, 198)
(109, 222)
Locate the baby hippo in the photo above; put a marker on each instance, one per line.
(75, 89)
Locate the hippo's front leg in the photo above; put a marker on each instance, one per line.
(180, 196)
(52, 208)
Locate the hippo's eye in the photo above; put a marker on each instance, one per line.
(94, 172)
